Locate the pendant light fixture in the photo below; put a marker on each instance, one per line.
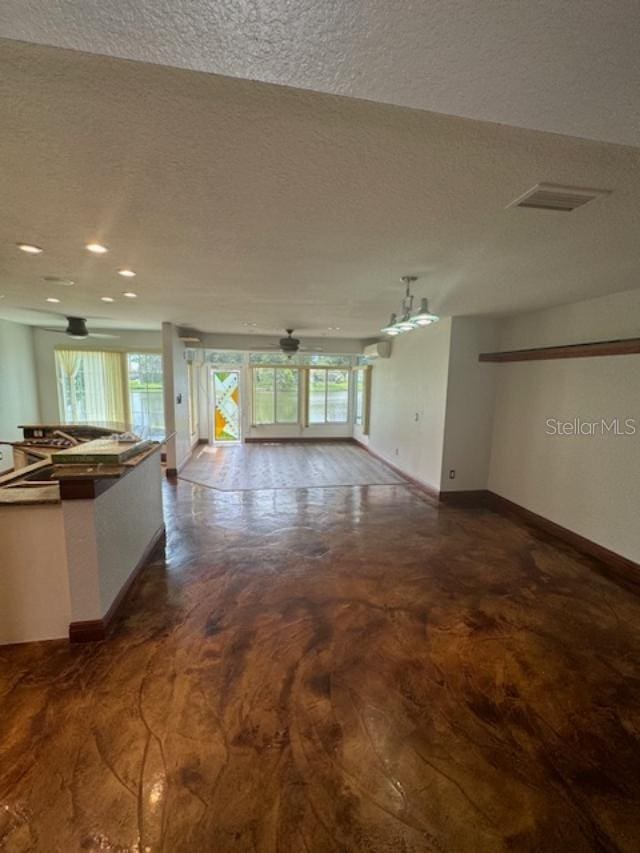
(424, 317)
(391, 328)
(409, 319)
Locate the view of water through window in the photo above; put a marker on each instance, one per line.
(146, 402)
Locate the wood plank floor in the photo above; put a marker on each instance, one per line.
(346, 669)
(286, 466)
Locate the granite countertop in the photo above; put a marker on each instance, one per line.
(49, 492)
(38, 493)
(96, 471)
(100, 451)
(30, 495)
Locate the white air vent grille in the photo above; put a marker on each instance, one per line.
(555, 197)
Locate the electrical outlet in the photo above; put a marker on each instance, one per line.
(452, 474)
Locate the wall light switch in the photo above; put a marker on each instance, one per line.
(452, 474)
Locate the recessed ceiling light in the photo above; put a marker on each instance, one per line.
(126, 273)
(130, 294)
(52, 299)
(107, 299)
(54, 279)
(97, 248)
(29, 248)
(333, 328)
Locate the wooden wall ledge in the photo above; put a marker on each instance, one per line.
(629, 346)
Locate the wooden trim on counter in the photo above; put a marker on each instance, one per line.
(628, 346)
(89, 631)
(87, 489)
(94, 630)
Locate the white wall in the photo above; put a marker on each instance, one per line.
(34, 585)
(132, 530)
(176, 397)
(408, 400)
(106, 538)
(46, 343)
(589, 484)
(18, 386)
(470, 404)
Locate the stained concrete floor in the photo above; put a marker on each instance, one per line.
(334, 669)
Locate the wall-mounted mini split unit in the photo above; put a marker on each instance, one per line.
(556, 197)
(381, 349)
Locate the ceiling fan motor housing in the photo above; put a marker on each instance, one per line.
(77, 327)
(289, 344)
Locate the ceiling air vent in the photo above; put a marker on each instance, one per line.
(555, 197)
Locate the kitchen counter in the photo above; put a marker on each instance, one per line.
(13, 493)
(73, 537)
(23, 486)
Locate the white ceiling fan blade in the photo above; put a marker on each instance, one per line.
(101, 335)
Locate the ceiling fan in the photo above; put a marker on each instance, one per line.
(77, 329)
(290, 345)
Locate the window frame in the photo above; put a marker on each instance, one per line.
(327, 422)
(254, 385)
(363, 372)
(123, 354)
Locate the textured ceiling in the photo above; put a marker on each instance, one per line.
(241, 202)
(567, 66)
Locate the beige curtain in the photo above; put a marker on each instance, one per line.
(101, 390)
(67, 364)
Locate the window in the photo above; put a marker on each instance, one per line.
(146, 400)
(123, 390)
(91, 387)
(276, 392)
(219, 357)
(328, 396)
(300, 359)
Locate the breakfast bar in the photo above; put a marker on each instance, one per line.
(75, 529)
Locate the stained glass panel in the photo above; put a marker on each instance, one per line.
(227, 405)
